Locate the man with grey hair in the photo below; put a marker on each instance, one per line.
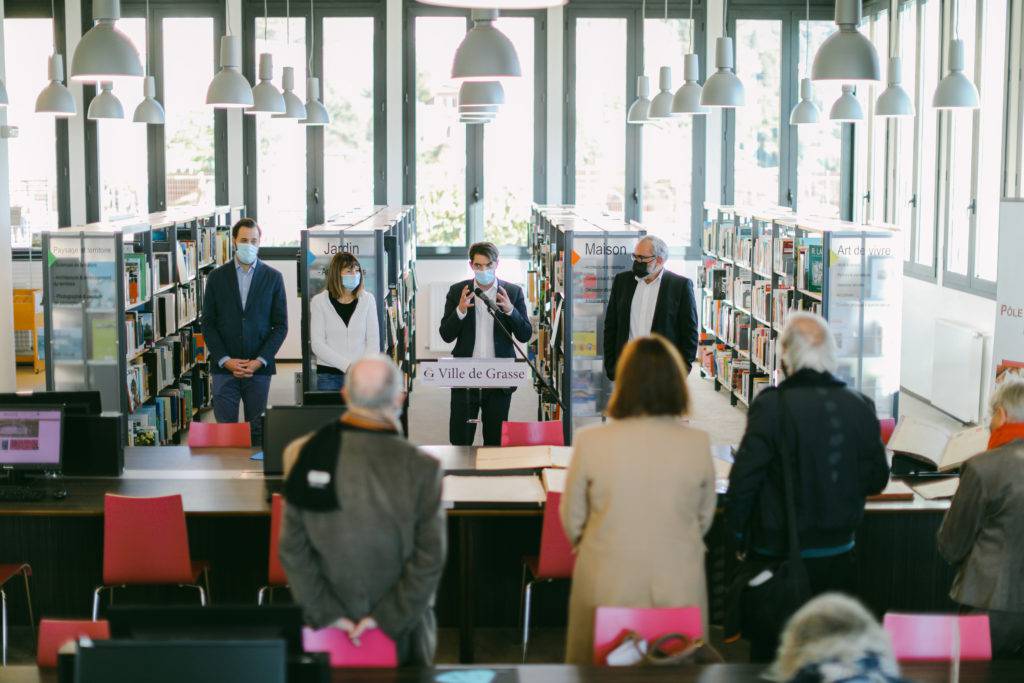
(828, 437)
(364, 536)
(649, 299)
(984, 526)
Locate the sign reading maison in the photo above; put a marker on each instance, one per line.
(474, 372)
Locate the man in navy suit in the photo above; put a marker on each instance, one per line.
(477, 335)
(245, 320)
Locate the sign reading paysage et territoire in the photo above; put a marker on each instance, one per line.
(474, 372)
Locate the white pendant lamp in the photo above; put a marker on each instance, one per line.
(847, 55)
(485, 54)
(106, 105)
(639, 111)
(149, 110)
(55, 98)
(266, 98)
(105, 51)
(847, 108)
(293, 106)
(497, 4)
(473, 94)
(316, 112)
(661, 105)
(229, 89)
(723, 88)
(956, 90)
(894, 102)
(806, 112)
(687, 98)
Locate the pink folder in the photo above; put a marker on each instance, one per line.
(375, 648)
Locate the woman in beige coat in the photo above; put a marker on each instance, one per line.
(639, 497)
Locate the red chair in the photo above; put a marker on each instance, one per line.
(548, 433)
(929, 637)
(219, 435)
(53, 633)
(8, 572)
(611, 623)
(375, 649)
(888, 426)
(276, 577)
(555, 560)
(145, 543)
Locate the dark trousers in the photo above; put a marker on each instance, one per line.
(228, 390)
(492, 407)
(826, 574)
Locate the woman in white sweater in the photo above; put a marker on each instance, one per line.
(342, 322)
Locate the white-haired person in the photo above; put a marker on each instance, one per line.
(834, 639)
(830, 436)
(983, 530)
(649, 299)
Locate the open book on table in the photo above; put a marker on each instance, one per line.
(935, 448)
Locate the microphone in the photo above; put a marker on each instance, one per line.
(491, 306)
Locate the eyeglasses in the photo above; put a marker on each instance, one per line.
(481, 267)
(643, 259)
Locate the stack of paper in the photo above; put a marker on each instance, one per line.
(523, 457)
(493, 489)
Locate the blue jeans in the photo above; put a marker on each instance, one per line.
(329, 382)
(228, 390)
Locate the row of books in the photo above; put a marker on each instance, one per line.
(157, 423)
(138, 331)
(726, 322)
(187, 303)
(762, 347)
(810, 266)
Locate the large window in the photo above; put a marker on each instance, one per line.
(930, 42)
(905, 197)
(819, 147)
(758, 125)
(961, 153)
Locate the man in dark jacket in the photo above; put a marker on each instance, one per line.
(649, 299)
(245, 321)
(831, 437)
(477, 335)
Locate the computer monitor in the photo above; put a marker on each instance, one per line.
(284, 424)
(30, 437)
(215, 622)
(74, 402)
(213, 661)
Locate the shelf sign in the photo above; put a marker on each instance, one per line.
(1008, 342)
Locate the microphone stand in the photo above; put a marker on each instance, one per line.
(542, 382)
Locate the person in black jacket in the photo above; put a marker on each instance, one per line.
(832, 439)
(477, 335)
(650, 299)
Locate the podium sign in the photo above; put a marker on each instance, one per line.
(473, 372)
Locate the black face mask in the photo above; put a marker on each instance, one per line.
(640, 269)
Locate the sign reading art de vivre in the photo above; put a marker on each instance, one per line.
(1008, 343)
(473, 372)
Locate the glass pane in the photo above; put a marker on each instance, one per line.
(992, 83)
(281, 143)
(347, 89)
(601, 113)
(440, 138)
(877, 135)
(819, 148)
(962, 158)
(906, 129)
(668, 144)
(189, 63)
(121, 143)
(28, 43)
(758, 54)
(930, 41)
(508, 146)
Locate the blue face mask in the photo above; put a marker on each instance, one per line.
(350, 282)
(247, 253)
(484, 277)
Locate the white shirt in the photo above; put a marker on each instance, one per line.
(641, 312)
(333, 342)
(483, 345)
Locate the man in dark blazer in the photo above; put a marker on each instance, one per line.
(245, 320)
(477, 335)
(649, 299)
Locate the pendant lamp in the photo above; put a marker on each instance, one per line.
(485, 54)
(894, 101)
(293, 106)
(104, 51)
(661, 105)
(474, 94)
(847, 108)
(229, 89)
(316, 112)
(640, 109)
(149, 110)
(481, 109)
(847, 55)
(806, 111)
(266, 98)
(106, 105)
(687, 98)
(497, 4)
(956, 90)
(723, 88)
(55, 98)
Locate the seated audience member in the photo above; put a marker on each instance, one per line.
(639, 497)
(364, 534)
(830, 436)
(834, 639)
(983, 532)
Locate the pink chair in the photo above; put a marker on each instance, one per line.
(548, 433)
(375, 650)
(555, 560)
(611, 623)
(276, 577)
(53, 633)
(219, 435)
(929, 637)
(888, 426)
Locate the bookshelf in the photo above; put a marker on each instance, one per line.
(758, 266)
(383, 238)
(121, 315)
(574, 255)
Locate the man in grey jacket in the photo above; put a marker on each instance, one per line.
(983, 530)
(364, 535)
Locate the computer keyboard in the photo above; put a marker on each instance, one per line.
(21, 494)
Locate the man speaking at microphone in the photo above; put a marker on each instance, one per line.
(477, 334)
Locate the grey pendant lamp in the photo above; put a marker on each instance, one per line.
(661, 105)
(229, 89)
(316, 112)
(293, 106)
(105, 105)
(806, 112)
(639, 111)
(723, 88)
(481, 94)
(847, 55)
(497, 4)
(895, 101)
(266, 98)
(956, 90)
(105, 51)
(55, 98)
(485, 54)
(149, 110)
(687, 98)
(847, 108)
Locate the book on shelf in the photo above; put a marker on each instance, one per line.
(186, 260)
(137, 384)
(162, 268)
(223, 246)
(719, 284)
(186, 303)
(523, 457)
(763, 257)
(136, 278)
(934, 447)
(144, 428)
(810, 273)
(783, 256)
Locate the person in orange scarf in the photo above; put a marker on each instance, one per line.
(983, 531)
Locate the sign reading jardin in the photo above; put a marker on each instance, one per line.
(474, 372)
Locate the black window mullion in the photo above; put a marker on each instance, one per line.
(315, 190)
(789, 142)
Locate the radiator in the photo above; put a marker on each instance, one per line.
(957, 379)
